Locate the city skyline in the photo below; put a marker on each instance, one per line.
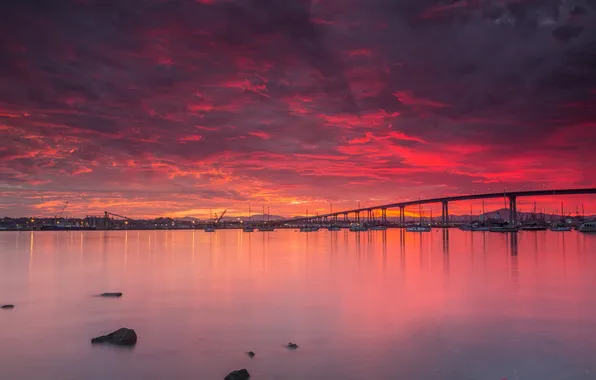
(171, 108)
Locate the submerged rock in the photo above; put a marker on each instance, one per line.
(7, 307)
(110, 295)
(120, 337)
(251, 354)
(292, 346)
(241, 374)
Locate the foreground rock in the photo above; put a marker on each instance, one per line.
(7, 307)
(241, 374)
(292, 346)
(251, 354)
(120, 337)
(110, 295)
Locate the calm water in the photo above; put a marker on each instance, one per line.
(374, 305)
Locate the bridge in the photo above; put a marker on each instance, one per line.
(444, 201)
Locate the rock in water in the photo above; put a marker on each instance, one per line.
(7, 307)
(241, 374)
(120, 337)
(251, 354)
(110, 295)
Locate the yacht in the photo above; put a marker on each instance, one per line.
(209, 229)
(504, 228)
(308, 229)
(588, 227)
(358, 228)
(266, 228)
(418, 229)
(378, 228)
(248, 229)
(534, 227)
(560, 227)
(334, 228)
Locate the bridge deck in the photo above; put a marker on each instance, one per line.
(530, 193)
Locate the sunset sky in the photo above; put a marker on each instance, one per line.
(174, 107)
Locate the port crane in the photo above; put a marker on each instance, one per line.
(220, 217)
(59, 216)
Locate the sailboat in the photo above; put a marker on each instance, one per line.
(504, 227)
(561, 226)
(420, 227)
(266, 227)
(209, 228)
(248, 228)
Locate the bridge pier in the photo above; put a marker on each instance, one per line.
(369, 216)
(357, 216)
(402, 215)
(384, 215)
(445, 213)
(513, 209)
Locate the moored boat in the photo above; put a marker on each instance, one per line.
(534, 228)
(560, 228)
(209, 229)
(418, 229)
(378, 228)
(504, 228)
(587, 227)
(266, 228)
(358, 228)
(248, 229)
(334, 228)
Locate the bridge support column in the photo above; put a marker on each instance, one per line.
(357, 216)
(513, 209)
(369, 216)
(402, 215)
(445, 213)
(384, 215)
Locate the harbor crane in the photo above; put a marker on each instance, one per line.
(60, 215)
(221, 216)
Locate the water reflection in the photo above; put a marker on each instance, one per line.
(481, 305)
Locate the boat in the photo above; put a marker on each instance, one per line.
(418, 229)
(504, 228)
(480, 228)
(308, 229)
(266, 228)
(209, 229)
(358, 228)
(248, 229)
(466, 227)
(534, 228)
(588, 227)
(559, 228)
(334, 228)
(378, 228)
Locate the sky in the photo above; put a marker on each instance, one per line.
(151, 108)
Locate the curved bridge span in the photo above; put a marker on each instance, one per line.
(512, 196)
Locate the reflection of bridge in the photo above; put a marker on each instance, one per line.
(512, 196)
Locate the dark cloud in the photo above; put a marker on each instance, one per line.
(183, 95)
